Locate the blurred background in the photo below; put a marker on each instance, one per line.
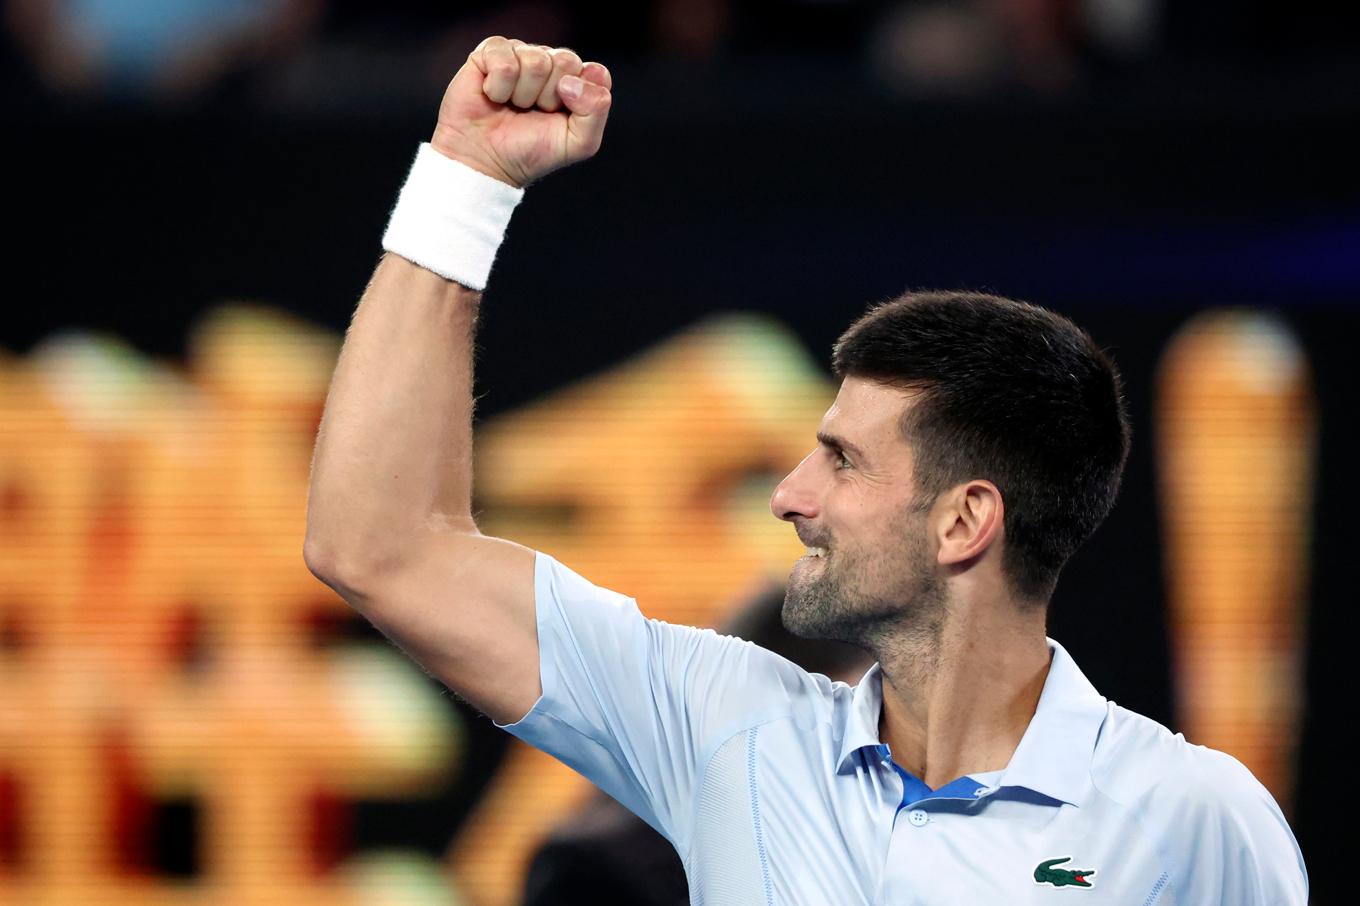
(198, 188)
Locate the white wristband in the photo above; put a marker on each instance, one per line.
(450, 218)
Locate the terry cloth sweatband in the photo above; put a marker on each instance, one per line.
(450, 218)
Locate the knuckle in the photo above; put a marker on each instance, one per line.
(567, 58)
(484, 45)
(534, 60)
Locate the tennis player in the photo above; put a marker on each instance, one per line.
(974, 444)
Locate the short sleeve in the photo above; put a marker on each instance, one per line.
(637, 705)
(1236, 846)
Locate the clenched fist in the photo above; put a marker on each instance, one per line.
(503, 112)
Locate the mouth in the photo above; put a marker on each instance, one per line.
(815, 553)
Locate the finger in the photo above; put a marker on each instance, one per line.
(597, 73)
(589, 106)
(497, 61)
(477, 51)
(565, 62)
(535, 65)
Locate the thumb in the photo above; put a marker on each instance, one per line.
(588, 103)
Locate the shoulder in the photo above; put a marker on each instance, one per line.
(1142, 764)
(731, 675)
(1215, 823)
(768, 683)
(1137, 758)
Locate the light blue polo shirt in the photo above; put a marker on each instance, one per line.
(774, 787)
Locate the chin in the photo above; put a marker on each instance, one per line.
(809, 616)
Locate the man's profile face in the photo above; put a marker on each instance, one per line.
(854, 500)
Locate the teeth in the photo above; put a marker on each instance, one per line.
(816, 552)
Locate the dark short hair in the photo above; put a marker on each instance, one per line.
(1012, 393)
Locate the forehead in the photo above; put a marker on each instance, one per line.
(867, 414)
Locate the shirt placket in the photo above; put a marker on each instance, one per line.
(912, 849)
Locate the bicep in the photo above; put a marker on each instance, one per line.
(463, 608)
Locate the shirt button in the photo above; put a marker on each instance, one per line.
(918, 817)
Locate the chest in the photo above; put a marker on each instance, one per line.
(796, 832)
(1016, 848)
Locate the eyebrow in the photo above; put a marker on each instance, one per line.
(839, 443)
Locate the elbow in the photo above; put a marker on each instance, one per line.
(328, 566)
(333, 570)
(356, 566)
(350, 575)
(320, 561)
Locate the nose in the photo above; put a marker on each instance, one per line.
(795, 495)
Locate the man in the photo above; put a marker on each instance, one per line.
(974, 444)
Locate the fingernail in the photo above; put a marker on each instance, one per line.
(569, 87)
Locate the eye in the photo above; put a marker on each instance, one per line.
(840, 459)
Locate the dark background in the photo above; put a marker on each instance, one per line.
(772, 169)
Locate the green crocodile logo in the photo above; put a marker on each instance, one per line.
(1046, 873)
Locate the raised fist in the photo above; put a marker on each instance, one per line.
(503, 113)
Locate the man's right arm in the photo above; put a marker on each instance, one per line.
(389, 522)
(389, 514)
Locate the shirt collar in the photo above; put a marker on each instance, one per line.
(1054, 755)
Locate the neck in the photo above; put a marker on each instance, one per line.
(958, 700)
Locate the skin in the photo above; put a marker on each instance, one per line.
(918, 588)
(518, 111)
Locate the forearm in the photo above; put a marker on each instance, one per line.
(393, 456)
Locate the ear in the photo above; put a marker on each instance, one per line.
(973, 518)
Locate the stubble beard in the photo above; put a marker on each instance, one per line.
(878, 601)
